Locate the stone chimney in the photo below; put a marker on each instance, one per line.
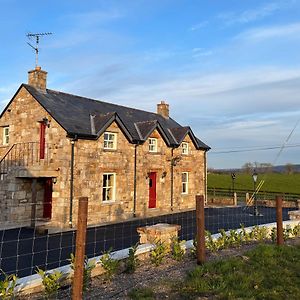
(163, 109)
(38, 78)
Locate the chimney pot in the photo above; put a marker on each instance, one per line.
(38, 78)
(163, 109)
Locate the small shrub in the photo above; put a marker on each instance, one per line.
(235, 238)
(223, 241)
(109, 264)
(158, 253)
(287, 232)
(259, 233)
(131, 262)
(51, 282)
(296, 230)
(210, 243)
(177, 249)
(7, 286)
(246, 237)
(89, 265)
(273, 234)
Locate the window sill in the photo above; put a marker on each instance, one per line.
(4, 146)
(109, 150)
(108, 202)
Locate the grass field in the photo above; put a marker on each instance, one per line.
(274, 182)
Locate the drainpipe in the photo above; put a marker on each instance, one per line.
(172, 177)
(134, 180)
(72, 181)
(205, 178)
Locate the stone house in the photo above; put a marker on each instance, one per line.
(56, 147)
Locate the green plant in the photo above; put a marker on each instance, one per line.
(177, 249)
(235, 238)
(7, 286)
(89, 265)
(273, 234)
(296, 230)
(194, 248)
(223, 241)
(132, 260)
(158, 253)
(246, 237)
(287, 232)
(259, 233)
(210, 243)
(51, 282)
(109, 264)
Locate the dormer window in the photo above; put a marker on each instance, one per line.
(5, 135)
(110, 140)
(185, 148)
(152, 145)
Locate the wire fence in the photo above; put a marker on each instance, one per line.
(25, 249)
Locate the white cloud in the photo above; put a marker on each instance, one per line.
(263, 33)
(252, 15)
(198, 26)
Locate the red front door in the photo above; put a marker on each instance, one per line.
(42, 140)
(152, 190)
(47, 198)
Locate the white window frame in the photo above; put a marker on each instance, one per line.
(5, 136)
(152, 145)
(185, 184)
(109, 144)
(107, 187)
(184, 148)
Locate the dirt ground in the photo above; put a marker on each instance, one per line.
(148, 275)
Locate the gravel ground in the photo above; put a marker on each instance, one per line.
(148, 275)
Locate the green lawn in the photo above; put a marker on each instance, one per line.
(266, 272)
(274, 182)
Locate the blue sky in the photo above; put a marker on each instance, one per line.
(229, 69)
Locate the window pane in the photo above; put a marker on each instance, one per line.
(109, 194)
(108, 189)
(184, 177)
(184, 188)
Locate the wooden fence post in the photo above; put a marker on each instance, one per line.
(80, 248)
(279, 220)
(200, 229)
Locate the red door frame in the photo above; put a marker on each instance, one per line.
(47, 211)
(42, 140)
(152, 190)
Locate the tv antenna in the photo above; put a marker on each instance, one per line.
(36, 36)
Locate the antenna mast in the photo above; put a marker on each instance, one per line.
(37, 40)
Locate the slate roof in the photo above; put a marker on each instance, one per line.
(89, 118)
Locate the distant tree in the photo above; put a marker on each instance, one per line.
(210, 170)
(289, 168)
(248, 167)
